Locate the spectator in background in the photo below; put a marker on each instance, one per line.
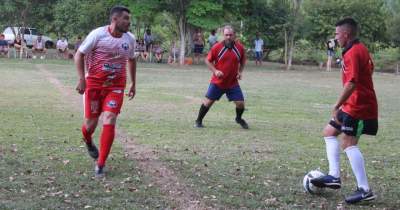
(148, 40)
(173, 54)
(62, 48)
(158, 52)
(212, 39)
(39, 48)
(19, 46)
(141, 49)
(198, 41)
(77, 43)
(258, 48)
(3, 46)
(330, 47)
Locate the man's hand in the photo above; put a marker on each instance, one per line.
(335, 113)
(239, 75)
(218, 73)
(81, 86)
(132, 92)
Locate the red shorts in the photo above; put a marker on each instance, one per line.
(97, 101)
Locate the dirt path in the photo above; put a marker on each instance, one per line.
(161, 176)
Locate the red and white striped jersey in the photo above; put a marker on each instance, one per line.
(106, 58)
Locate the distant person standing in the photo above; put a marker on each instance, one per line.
(78, 43)
(330, 47)
(354, 113)
(226, 61)
(148, 40)
(107, 51)
(258, 48)
(198, 41)
(212, 39)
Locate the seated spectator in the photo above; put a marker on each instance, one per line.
(39, 48)
(173, 54)
(19, 47)
(3, 46)
(62, 48)
(158, 52)
(77, 43)
(141, 49)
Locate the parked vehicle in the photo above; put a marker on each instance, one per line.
(30, 35)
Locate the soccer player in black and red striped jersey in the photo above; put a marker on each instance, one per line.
(226, 61)
(355, 113)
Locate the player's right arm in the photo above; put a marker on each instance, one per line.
(208, 60)
(80, 68)
(86, 46)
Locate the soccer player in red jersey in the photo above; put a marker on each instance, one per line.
(226, 61)
(355, 113)
(106, 51)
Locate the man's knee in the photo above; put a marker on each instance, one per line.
(90, 124)
(239, 104)
(109, 118)
(330, 131)
(208, 102)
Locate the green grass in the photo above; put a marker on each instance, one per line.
(228, 167)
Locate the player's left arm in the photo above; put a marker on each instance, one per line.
(241, 64)
(132, 74)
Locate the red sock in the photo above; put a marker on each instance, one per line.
(87, 137)
(106, 140)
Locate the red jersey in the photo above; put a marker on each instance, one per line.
(106, 58)
(228, 61)
(358, 68)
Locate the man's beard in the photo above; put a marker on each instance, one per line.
(121, 29)
(229, 44)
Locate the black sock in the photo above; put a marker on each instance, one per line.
(202, 112)
(239, 112)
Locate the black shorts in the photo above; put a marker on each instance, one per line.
(354, 127)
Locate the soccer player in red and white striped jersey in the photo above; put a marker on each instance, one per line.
(105, 53)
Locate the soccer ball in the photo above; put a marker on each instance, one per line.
(308, 186)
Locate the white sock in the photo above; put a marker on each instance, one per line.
(357, 164)
(333, 154)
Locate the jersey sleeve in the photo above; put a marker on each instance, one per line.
(132, 43)
(89, 43)
(211, 57)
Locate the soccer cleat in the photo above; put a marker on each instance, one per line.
(242, 123)
(360, 195)
(327, 181)
(92, 150)
(198, 124)
(99, 172)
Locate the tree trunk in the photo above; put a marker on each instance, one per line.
(286, 48)
(291, 50)
(182, 33)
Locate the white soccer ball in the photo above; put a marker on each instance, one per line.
(308, 186)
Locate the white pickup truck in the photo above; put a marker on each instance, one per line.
(30, 35)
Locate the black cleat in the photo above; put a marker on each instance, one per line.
(242, 123)
(198, 124)
(99, 172)
(92, 150)
(360, 195)
(327, 181)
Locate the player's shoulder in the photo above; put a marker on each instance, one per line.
(130, 36)
(99, 32)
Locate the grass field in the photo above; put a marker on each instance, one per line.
(43, 163)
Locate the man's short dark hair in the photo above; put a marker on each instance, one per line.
(118, 10)
(349, 23)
